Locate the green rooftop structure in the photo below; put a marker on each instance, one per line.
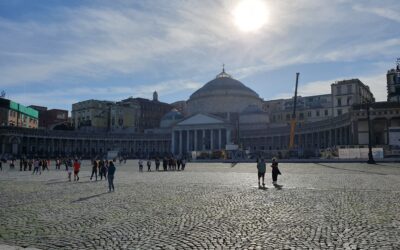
(15, 114)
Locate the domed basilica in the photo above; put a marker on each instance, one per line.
(213, 112)
(222, 96)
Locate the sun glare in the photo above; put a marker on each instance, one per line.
(250, 15)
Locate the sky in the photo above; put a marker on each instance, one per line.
(54, 53)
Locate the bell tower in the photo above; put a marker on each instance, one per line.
(155, 96)
(393, 83)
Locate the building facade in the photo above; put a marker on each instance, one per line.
(50, 118)
(131, 115)
(149, 112)
(17, 115)
(53, 143)
(347, 93)
(393, 83)
(91, 115)
(222, 115)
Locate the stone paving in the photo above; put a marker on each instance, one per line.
(208, 206)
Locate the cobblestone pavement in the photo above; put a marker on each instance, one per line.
(321, 206)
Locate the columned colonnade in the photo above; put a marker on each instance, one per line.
(185, 140)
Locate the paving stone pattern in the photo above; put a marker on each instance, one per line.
(208, 206)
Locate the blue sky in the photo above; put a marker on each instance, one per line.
(54, 53)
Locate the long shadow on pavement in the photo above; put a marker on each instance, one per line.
(351, 170)
(89, 197)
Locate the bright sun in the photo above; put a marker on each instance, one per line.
(250, 15)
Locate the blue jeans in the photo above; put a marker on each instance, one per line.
(111, 182)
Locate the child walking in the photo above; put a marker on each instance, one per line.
(275, 171)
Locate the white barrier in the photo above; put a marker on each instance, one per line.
(359, 153)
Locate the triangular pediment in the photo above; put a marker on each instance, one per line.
(200, 119)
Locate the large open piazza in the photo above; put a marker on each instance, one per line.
(207, 206)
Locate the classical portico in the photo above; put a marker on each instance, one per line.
(200, 132)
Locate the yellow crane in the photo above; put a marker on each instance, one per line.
(294, 120)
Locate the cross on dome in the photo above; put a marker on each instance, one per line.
(223, 73)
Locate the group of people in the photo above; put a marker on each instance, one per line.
(168, 164)
(37, 164)
(262, 168)
(100, 167)
(105, 169)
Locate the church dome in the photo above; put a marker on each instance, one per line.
(171, 118)
(223, 84)
(222, 95)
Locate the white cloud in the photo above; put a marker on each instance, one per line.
(389, 11)
(185, 40)
(66, 97)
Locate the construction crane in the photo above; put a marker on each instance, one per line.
(294, 120)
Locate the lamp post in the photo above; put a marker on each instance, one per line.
(370, 156)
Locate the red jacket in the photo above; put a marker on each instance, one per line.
(77, 166)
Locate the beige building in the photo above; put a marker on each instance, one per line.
(309, 109)
(131, 115)
(124, 117)
(92, 115)
(348, 92)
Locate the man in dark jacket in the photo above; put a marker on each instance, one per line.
(110, 175)
(94, 169)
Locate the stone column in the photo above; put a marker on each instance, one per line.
(204, 139)
(220, 138)
(188, 141)
(228, 136)
(173, 141)
(195, 140)
(180, 142)
(211, 139)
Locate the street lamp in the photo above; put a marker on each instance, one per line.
(370, 156)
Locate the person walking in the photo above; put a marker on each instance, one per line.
(149, 165)
(178, 163)
(261, 167)
(183, 164)
(77, 167)
(69, 171)
(275, 171)
(45, 165)
(174, 163)
(102, 170)
(25, 164)
(170, 162)
(157, 164)
(140, 165)
(58, 163)
(165, 163)
(36, 166)
(94, 169)
(12, 164)
(30, 163)
(110, 176)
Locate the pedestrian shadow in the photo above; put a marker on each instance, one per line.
(82, 182)
(89, 197)
(385, 165)
(350, 170)
(233, 164)
(56, 182)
